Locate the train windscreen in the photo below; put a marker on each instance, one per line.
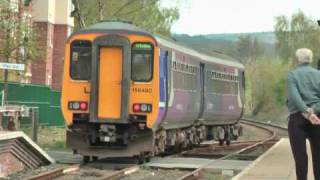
(80, 66)
(142, 62)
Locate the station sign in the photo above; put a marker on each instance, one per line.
(12, 66)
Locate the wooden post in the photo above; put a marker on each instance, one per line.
(16, 120)
(1, 125)
(35, 122)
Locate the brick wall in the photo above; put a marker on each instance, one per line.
(60, 37)
(42, 69)
(48, 70)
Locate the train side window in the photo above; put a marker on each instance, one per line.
(142, 62)
(80, 61)
(175, 65)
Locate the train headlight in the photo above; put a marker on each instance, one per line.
(77, 105)
(146, 108)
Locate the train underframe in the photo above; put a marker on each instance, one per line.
(93, 140)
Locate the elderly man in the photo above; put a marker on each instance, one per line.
(303, 104)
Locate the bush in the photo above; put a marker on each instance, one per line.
(266, 87)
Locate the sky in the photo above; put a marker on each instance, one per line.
(236, 16)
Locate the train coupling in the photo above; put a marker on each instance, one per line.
(107, 133)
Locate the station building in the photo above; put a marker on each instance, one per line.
(52, 21)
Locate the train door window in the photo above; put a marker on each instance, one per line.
(142, 62)
(243, 80)
(80, 63)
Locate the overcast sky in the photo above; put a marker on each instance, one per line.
(230, 16)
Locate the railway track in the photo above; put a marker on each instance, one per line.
(214, 150)
(237, 150)
(61, 173)
(55, 173)
(275, 132)
(280, 131)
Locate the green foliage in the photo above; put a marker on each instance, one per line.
(19, 43)
(266, 86)
(49, 137)
(296, 32)
(249, 49)
(147, 14)
(27, 2)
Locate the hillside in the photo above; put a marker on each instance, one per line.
(226, 43)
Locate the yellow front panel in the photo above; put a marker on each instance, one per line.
(148, 97)
(110, 77)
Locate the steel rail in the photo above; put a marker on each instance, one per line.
(55, 173)
(120, 174)
(48, 175)
(264, 123)
(197, 172)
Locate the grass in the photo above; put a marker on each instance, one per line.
(49, 138)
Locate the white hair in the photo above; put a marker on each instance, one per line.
(304, 55)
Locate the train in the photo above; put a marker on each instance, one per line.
(127, 92)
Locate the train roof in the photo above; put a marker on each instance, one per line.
(126, 27)
(115, 26)
(218, 58)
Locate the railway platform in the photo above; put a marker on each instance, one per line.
(275, 164)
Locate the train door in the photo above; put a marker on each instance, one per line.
(110, 77)
(110, 82)
(202, 89)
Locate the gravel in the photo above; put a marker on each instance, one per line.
(32, 172)
(156, 174)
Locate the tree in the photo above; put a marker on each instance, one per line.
(266, 87)
(257, 49)
(296, 32)
(147, 14)
(18, 42)
(249, 49)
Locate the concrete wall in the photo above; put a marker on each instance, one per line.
(53, 11)
(43, 10)
(62, 12)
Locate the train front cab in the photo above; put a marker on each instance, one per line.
(111, 102)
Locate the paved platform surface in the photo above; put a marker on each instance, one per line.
(194, 163)
(65, 157)
(276, 164)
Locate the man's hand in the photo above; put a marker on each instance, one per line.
(314, 119)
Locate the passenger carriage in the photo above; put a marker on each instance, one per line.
(127, 92)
